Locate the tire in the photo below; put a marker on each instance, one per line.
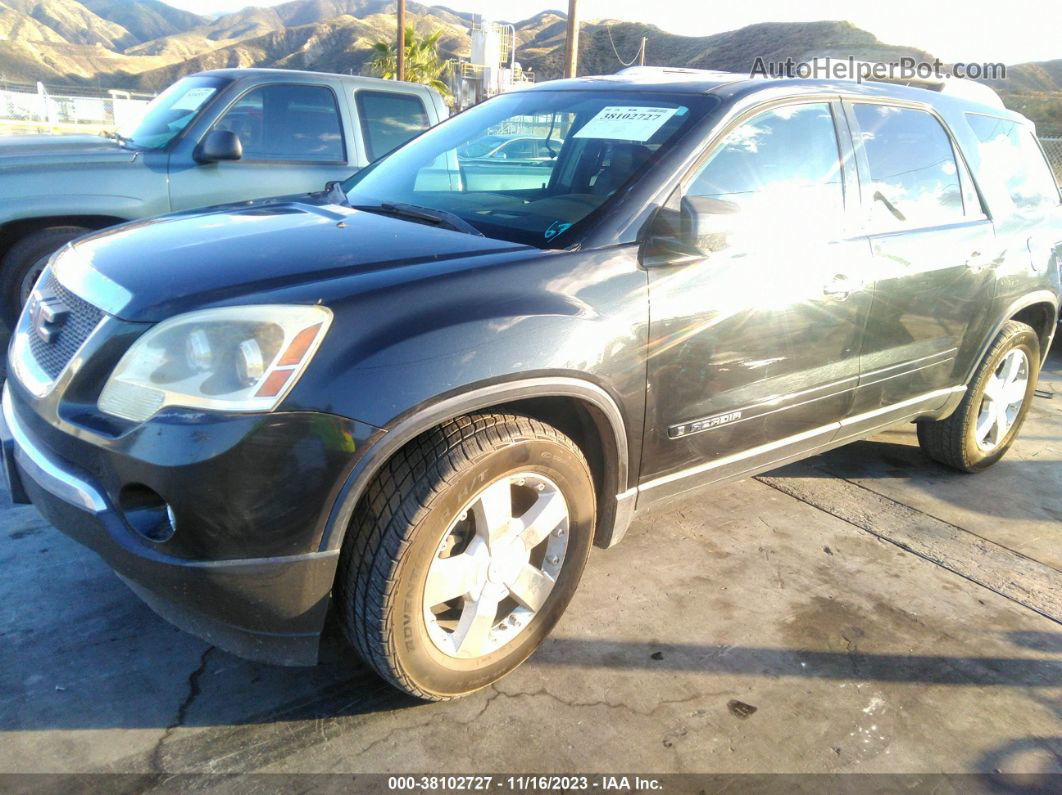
(959, 441)
(23, 263)
(411, 517)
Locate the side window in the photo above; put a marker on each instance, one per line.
(914, 177)
(1013, 164)
(778, 173)
(287, 122)
(389, 120)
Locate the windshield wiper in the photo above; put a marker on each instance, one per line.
(435, 217)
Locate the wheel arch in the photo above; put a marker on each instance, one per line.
(578, 408)
(1043, 317)
(13, 231)
(1040, 307)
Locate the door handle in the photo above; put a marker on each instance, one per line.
(840, 287)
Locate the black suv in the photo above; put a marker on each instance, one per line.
(420, 396)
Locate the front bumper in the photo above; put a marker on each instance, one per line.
(269, 608)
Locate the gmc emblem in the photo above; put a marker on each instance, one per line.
(47, 314)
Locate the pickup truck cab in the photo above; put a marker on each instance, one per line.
(214, 137)
(420, 398)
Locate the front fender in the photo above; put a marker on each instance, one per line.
(616, 515)
(120, 190)
(416, 350)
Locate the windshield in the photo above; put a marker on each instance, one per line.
(567, 153)
(172, 111)
(481, 146)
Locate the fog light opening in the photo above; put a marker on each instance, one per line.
(147, 513)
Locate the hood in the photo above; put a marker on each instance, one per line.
(152, 269)
(75, 149)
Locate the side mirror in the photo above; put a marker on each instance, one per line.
(705, 223)
(219, 145)
(690, 235)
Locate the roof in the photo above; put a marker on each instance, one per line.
(732, 85)
(288, 74)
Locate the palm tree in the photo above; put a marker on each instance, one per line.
(423, 64)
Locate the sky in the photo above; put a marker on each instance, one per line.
(1013, 31)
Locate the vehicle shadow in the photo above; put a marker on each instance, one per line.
(224, 690)
(1032, 468)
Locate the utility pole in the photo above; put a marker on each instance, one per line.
(571, 46)
(641, 54)
(400, 67)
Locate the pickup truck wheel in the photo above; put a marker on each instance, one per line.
(987, 421)
(22, 265)
(464, 552)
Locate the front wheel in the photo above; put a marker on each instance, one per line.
(987, 421)
(23, 263)
(464, 552)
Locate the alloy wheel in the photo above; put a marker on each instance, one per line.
(496, 565)
(1004, 393)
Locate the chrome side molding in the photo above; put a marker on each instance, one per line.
(763, 449)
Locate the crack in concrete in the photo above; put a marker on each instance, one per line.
(435, 718)
(611, 704)
(155, 757)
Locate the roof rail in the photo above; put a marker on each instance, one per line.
(676, 70)
(948, 85)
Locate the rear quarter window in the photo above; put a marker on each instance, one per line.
(1013, 166)
(389, 120)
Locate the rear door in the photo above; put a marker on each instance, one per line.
(293, 142)
(755, 332)
(934, 259)
(1023, 197)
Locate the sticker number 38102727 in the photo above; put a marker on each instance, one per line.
(626, 123)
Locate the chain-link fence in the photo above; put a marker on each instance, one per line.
(1053, 150)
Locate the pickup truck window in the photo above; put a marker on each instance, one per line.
(1012, 159)
(913, 173)
(389, 120)
(592, 145)
(287, 122)
(172, 111)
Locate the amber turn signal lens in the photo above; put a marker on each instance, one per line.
(274, 383)
(298, 347)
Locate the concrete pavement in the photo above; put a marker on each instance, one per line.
(811, 620)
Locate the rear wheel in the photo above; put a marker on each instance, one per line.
(987, 421)
(464, 553)
(22, 265)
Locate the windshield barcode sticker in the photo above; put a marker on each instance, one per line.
(193, 98)
(626, 123)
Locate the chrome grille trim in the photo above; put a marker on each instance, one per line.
(37, 363)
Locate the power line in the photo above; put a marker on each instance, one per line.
(613, 43)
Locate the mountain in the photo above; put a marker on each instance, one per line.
(15, 25)
(72, 21)
(146, 44)
(145, 19)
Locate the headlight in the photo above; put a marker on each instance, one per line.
(244, 358)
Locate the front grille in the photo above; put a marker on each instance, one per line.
(83, 317)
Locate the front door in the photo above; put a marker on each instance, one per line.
(293, 143)
(934, 267)
(757, 304)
